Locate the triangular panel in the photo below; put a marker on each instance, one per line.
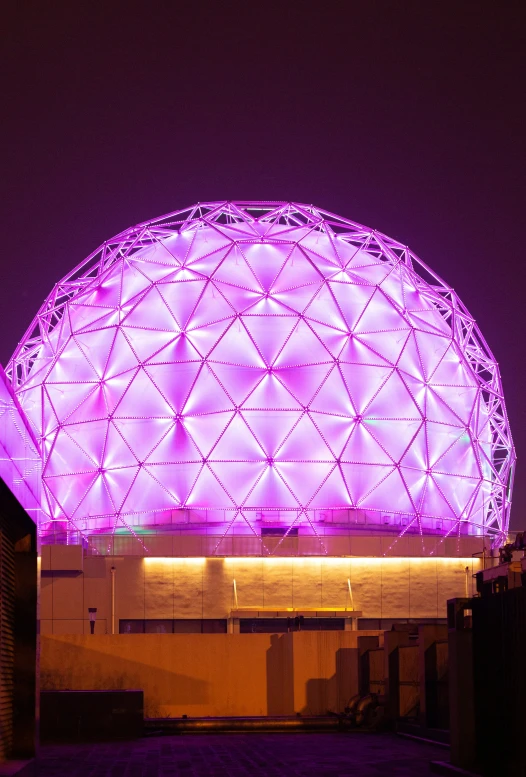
(333, 397)
(304, 443)
(209, 492)
(271, 393)
(272, 492)
(270, 427)
(142, 399)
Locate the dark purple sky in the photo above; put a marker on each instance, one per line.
(406, 116)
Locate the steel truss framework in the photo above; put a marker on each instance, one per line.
(263, 359)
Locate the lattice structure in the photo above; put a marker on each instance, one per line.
(263, 361)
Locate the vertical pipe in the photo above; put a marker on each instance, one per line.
(350, 593)
(467, 585)
(113, 600)
(235, 594)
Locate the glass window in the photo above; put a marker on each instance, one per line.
(387, 624)
(131, 627)
(214, 626)
(279, 532)
(187, 626)
(323, 624)
(263, 625)
(178, 626)
(158, 627)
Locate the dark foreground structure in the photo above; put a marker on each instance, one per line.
(487, 682)
(499, 637)
(18, 630)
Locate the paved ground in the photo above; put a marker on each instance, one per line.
(245, 755)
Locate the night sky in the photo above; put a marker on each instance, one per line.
(408, 117)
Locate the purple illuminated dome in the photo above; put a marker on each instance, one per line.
(242, 362)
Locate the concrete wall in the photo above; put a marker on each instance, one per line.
(203, 587)
(211, 674)
(324, 670)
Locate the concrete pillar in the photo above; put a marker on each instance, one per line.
(461, 686)
(392, 641)
(461, 702)
(408, 680)
(428, 673)
(364, 645)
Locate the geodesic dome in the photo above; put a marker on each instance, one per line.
(249, 361)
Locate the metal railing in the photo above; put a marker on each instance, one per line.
(343, 543)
